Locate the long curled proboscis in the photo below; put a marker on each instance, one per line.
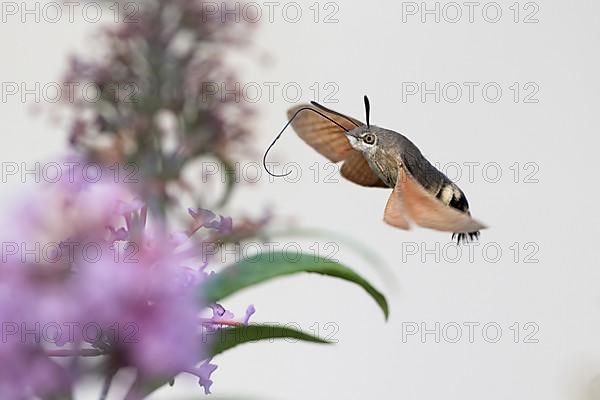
(288, 124)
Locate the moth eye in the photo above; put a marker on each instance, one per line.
(369, 138)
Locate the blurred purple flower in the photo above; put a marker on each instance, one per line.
(220, 313)
(203, 372)
(249, 312)
(171, 61)
(207, 219)
(26, 371)
(138, 292)
(132, 300)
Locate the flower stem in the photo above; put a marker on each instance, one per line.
(75, 353)
(134, 392)
(221, 322)
(107, 382)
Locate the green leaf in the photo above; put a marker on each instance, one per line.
(371, 257)
(265, 266)
(228, 338)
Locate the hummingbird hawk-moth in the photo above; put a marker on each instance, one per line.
(378, 157)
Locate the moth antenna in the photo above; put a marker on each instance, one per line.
(283, 130)
(368, 111)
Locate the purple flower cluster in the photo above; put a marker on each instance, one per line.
(168, 94)
(92, 269)
(93, 277)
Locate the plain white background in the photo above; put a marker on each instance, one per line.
(371, 50)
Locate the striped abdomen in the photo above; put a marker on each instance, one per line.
(441, 187)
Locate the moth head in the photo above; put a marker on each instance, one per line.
(364, 139)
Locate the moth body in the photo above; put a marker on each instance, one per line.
(377, 157)
(388, 151)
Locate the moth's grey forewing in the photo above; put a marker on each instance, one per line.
(422, 171)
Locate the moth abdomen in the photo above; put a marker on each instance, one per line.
(452, 196)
